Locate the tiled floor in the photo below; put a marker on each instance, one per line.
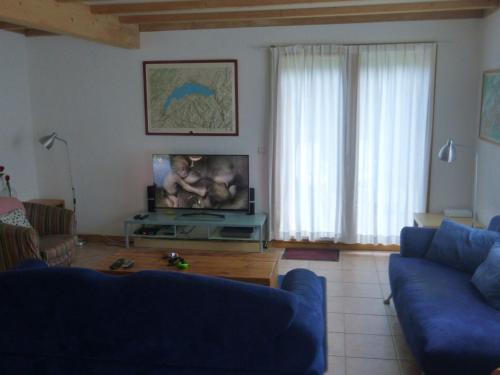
(364, 336)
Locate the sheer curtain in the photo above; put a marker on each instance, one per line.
(350, 137)
(309, 96)
(394, 119)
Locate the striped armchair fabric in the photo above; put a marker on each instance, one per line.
(49, 220)
(17, 244)
(51, 238)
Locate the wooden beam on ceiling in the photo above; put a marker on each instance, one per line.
(393, 17)
(150, 7)
(276, 14)
(74, 19)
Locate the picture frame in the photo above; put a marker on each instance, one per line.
(191, 97)
(489, 126)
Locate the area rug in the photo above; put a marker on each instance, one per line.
(331, 255)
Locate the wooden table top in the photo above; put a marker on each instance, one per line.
(257, 268)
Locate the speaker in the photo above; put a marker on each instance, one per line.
(151, 198)
(251, 202)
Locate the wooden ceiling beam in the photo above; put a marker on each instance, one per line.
(149, 7)
(467, 14)
(74, 19)
(358, 10)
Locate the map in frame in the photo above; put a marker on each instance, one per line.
(191, 97)
(489, 129)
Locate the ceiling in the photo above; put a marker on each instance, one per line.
(118, 22)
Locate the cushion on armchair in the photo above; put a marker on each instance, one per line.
(461, 247)
(9, 204)
(15, 217)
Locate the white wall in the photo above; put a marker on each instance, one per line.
(93, 95)
(489, 153)
(16, 129)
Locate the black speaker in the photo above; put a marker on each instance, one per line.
(151, 198)
(251, 202)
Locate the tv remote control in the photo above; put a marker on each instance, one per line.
(117, 264)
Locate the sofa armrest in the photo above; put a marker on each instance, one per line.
(308, 330)
(16, 245)
(415, 241)
(50, 220)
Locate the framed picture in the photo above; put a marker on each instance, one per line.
(191, 97)
(489, 128)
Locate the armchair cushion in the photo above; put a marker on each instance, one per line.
(57, 249)
(461, 247)
(15, 217)
(9, 204)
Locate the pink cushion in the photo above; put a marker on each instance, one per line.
(9, 204)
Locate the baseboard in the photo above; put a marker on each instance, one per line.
(236, 245)
(329, 244)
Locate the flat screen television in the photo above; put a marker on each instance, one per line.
(201, 182)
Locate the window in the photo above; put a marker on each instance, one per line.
(351, 133)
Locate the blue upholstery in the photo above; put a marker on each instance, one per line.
(487, 277)
(447, 324)
(71, 320)
(460, 246)
(494, 224)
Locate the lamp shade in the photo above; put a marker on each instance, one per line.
(48, 140)
(448, 152)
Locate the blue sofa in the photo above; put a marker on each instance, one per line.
(447, 324)
(79, 321)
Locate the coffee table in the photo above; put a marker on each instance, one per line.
(257, 268)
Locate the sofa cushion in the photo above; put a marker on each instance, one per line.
(444, 318)
(460, 246)
(10, 204)
(15, 217)
(487, 277)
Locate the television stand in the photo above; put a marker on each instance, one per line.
(226, 231)
(201, 215)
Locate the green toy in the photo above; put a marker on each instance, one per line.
(183, 265)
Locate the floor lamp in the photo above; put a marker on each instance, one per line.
(448, 153)
(47, 141)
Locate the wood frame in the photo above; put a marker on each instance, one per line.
(234, 62)
(481, 136)
(119, 24)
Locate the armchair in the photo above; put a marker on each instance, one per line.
(50, 239)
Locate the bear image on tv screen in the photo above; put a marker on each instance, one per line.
(201, 182)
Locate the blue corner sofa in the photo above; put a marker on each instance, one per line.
(447, 324)
(79, 321)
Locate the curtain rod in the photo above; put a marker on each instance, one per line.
(353, 44)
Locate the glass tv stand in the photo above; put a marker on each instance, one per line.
(198, 226)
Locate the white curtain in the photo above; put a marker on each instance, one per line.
(395, 96)
(350, 137)
(309, 85)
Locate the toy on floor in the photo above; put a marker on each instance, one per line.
(174, 259)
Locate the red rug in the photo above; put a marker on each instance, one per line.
(331, 255)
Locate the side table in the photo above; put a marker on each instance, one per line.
(428, 220)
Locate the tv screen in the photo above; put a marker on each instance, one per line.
(208, 182)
